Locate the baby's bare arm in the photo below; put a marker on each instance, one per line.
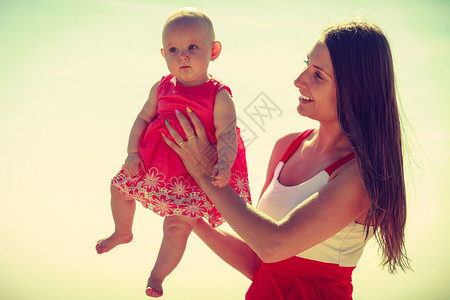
(225, 124)
(145, 116)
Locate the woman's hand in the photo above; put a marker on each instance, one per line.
(133, 165)
(197, 153)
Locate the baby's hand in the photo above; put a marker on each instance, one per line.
(133, 165)
(221, 174)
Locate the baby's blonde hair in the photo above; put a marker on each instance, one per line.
(189, 15)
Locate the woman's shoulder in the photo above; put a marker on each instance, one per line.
(280, 147)
(286, 140)
(282, 144)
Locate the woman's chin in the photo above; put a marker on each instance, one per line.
(301, 111)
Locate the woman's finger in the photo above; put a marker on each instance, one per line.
(175, 135)
(199, 129)
(188, 130)
(172, 145)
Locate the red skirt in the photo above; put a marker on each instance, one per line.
(299, 278)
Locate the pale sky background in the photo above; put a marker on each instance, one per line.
(73, 76)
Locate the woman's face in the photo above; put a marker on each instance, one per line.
(316, 86)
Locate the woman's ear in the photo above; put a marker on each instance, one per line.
(215, 50)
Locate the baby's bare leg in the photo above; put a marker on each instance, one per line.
(123, 209)
(176, 233)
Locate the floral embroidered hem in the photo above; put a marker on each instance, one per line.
(176, 196)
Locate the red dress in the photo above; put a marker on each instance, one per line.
(165, 186)
(298, 278)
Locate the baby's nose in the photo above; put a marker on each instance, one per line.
(182, 56)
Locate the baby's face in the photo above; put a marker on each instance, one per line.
(187, 51)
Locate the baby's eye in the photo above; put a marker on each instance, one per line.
(173, 50)
(192, 47)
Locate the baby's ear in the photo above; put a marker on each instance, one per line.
(162, 52)
(215, 50)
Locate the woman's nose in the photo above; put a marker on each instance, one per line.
(300, 80)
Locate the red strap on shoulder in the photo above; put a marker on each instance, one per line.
(295, 143)
(339, 163)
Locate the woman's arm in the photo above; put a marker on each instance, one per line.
(319, 217)
(229, 247)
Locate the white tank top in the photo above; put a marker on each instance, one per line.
(345, 247)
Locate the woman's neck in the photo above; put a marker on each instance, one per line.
(330, 139)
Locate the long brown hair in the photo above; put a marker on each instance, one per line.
(368, 115)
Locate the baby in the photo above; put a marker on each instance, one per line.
(153, 174)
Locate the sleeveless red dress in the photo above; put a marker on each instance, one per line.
(165, 186)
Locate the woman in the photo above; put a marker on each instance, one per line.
(328, 190)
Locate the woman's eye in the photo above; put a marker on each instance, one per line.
(173, 50)
(192, 47)
(318, 75)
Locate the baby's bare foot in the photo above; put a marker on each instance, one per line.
(154, 287)
(104, 245)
